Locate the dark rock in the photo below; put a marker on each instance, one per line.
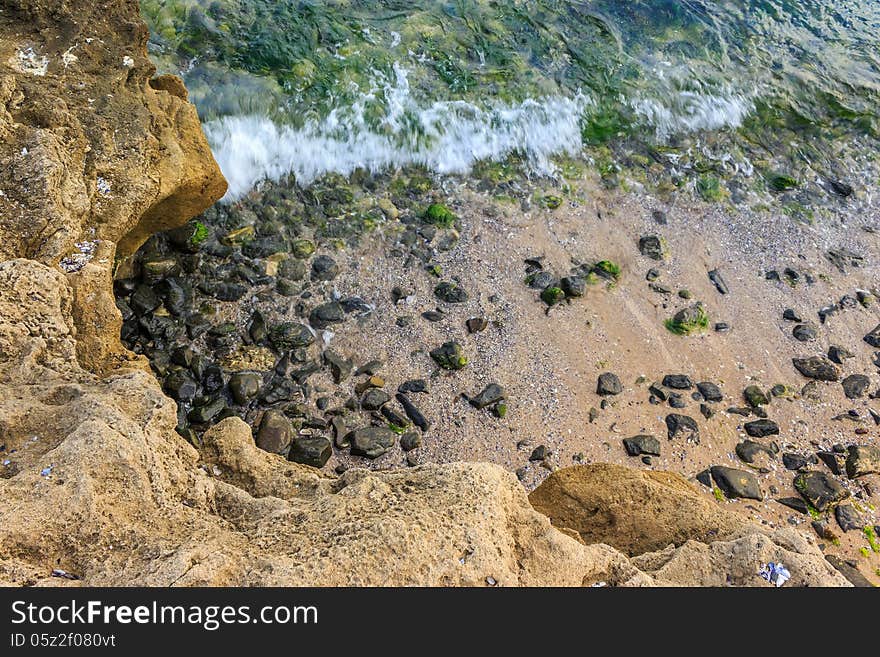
(433, 315)
(286, 288)
(412, 412)
(374, 399)
(678, 381)
(326, 314)
(652, 274)
(833, 461)
(540, 453)
(706, 411)
(244, 386)
(213, 379)
(275, 432)
(144, 300)
(257, 329)
(657, 392)
(176, 296)
(710, 391)
(394, 418)
(676, 401)
(541, 280)
(840, 188)
(410, 440)
(356, 306)
(855, 386)
(450, 293)
(848, 518)
(476, 324)
(819, 490)
(851, 573)
(790, 315)
(705, 478)
(223, 291)
(491, 394)
(794, 461)
(324, 268)
(207, 412)
(180, 386)
(449, 356)
(755, 397)
(340, 367)
(280, 389)
(608, 384)
(371, 442)
(310, 450)
(804, 332)
(839, 354)
(292, 270)
(721, 327)
(749, 450)
(762, 428)
(817, 367)
(873, 338)
(413, 386)
(862, 460)
(651, 246)
(370, 368)
(642, 444)
(290, 335)
(736, 483)
(682, 426)
(795, 503)
(718, 281)
(573, 286)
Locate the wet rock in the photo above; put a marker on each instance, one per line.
(476, 324)
(286, 288)
(839, 354)
(762, 428)
(292, 270)
(245, 386)
(180, 386)
(410, 440)
(207, 412)
(144, 300)
(491, 394)
(710, 391)
(736, 483)
(213, 379)
(819, 489)
(449, 356)
(651, 246)
(804, 332)
(371, 442)
(327, 314)
(433, 315)
(374, 399)
(275, 433)
(817, 367)
(280, 389)
(755, 397)
(310, 450)
(749, 450)
(223, 291)
(412, 412)
(324, 268)
(862, 460)
(290, 335)
(395, 419)
(608, 384)
(873, 338)
(450, 293)
(302, 249)
(257, 330)
(855, 386)
(718, 281)
(682, 426)
(642, 444)
(848, 518)
(678, 381)
(340, 367)
(795, 503)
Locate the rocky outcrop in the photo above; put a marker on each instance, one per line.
(95, 155)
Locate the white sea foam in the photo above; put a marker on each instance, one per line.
(445, 137)
(692, 111)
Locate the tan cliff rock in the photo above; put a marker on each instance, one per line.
(95, 155)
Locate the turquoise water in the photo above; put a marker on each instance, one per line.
(726, 99)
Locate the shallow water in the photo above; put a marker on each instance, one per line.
(783, 93)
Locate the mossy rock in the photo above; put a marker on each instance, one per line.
(687, 321)
(449, 356)
(552, 295)
(607, 270)
(710, 189)
(439, 215)
(780, 182)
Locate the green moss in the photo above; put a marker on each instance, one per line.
(865, 552)
(710, 189)
(717, 493)
(607, 269)
(439, 215)
(552, 295)
(779, 182)
(698, 325)
(550, 201)
(871, 536)
(500, 410)
(199, 235)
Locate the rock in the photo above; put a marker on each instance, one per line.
(710, 391)
(302, 249)
(340, 367)
(223, 291)
(848, 518)
(749, 450)
(608, 384)
(823, 530)
(855, 386)
(851, 573)
(245, 386)
(310, 450)
(755, 397)
(370, 368)
(678, 381)
(682, 426)
(817, 367)
(832, 460)
(736, 483)
(257, 329)
(324, 268)
(449, 356)
(326, 314)
(718, 281)
(795, 503)
(862, 460)
(839, 354)
(873, 338)
(790, 315)
(395, 419)
(450, 293)
(762, 428)
(552, 295)
(275, 433)
(476, 324)
(412, 412)
(290, 335)
(410, 440)
(573, 286)
(676, 401)
(206, 412)
(819, 490)
(413, 386)
(491, 394)
(374, 399)
(180, 386)
(371, 442)
(804, 332)
(540, 453)
(144, 300)
(642, 444)
(651, 246)
(794, 461)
